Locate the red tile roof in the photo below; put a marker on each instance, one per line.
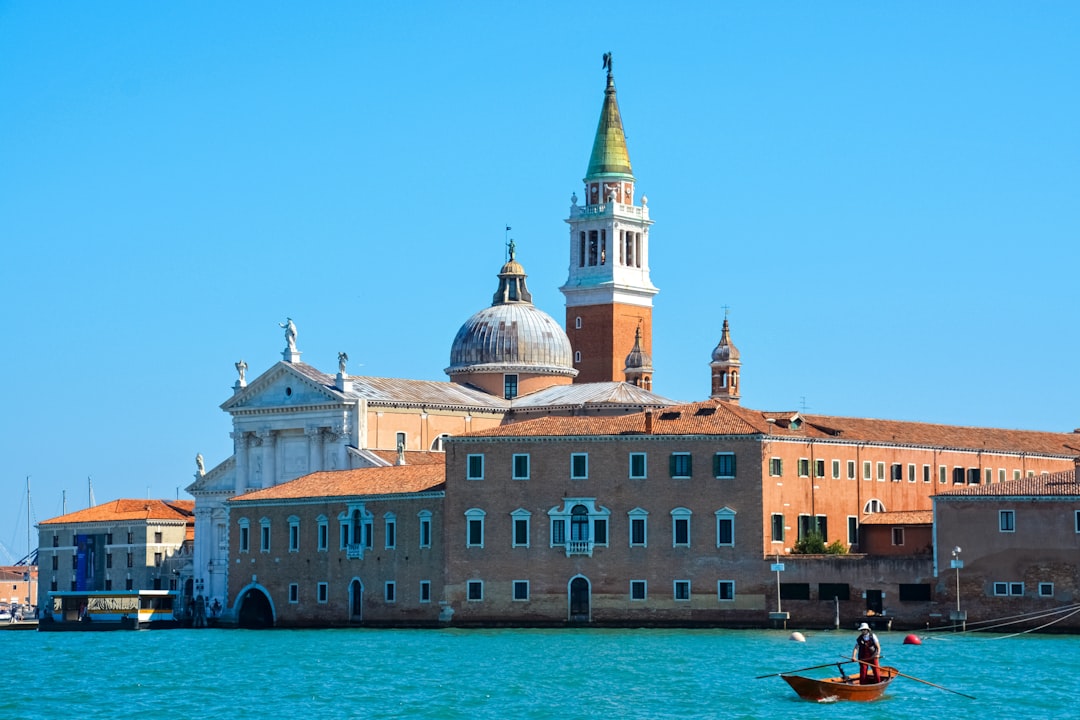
(900, 517)
(412, 457)
(1059, 484)
(713, 417)
(128, 510)
(348, 483)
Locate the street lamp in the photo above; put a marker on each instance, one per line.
(957, 563)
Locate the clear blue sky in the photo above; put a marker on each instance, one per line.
(885, 194)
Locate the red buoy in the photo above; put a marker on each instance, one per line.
(912, 640)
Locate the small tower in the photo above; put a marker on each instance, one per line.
(608, 291)
(638, 368)
(725, 368)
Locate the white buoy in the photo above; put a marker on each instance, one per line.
(797, 636)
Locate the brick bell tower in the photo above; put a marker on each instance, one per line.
(608, 291)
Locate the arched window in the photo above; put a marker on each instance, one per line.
(579, 524)
(577, 323)
(438, 444)
(873, 505)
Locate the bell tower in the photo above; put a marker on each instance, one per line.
(608, 291)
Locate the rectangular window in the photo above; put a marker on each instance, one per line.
(56, 562)
(521, 532)
(56, 541)
(836, 469)
(804, 467)
(130, 538)
(637, 590)
(914, 592)
(725, 531)
(823, 526)
(911, 473)
(637, 532)
(943, 475)
(129, 584)
(157, 537)
(724, 465)
(390, 591)
(108, 584)
(558, 532)
(600, 531)
(579, 466)
(425, 532)
(926, 473)
(725, 590)
(1007, 520)
(75, 562)
(322, 592)
(323, 536)
(264, 538)
(898, 536)
(475, 590)
(637, 466)
(958, 476)
(1016, 474)
(475, 470)
(833, 591)
(682, 590)
(850, 469)
(1046, 589)
(794, 591)
(881, 472)
(819, 468)
(510, 383)
(476, 532)
(988, 476)
(681, 465)
(391, 533)
(108, 539)
(425, 591)
(294, 593)
(681, 532)
(852, 530)
(896, 472)
(776, 467)
(521, 590)
(866, 470)
(369, 534)
(521, 466)
(108, 560)
(777, 527)
(973, 476)
(158, 557)
(130, 559)
(1076, 520)
(1001, 475)
(294, 538)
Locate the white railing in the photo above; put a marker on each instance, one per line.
(355, 551)
(604, 208)
(579, 547)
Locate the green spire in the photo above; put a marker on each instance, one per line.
(609, 155)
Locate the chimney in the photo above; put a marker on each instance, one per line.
(648, 422)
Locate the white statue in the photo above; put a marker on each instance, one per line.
(342, 358)
(199, 464)
(290, 333)
(241, 367)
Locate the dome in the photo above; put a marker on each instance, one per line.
(638, 360)
(511, 335)
(725, 350)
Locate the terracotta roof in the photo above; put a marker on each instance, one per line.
(401, 391)
(127, 510)
(348, 483)
(1059, 484)
(713, 417)
(900, 517)
(412, 457)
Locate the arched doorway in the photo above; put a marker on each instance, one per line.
(255, 610)
(356, 601)
(579, 600)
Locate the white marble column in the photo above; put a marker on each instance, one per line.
(315, 447)
(269, 457)
(240, 453)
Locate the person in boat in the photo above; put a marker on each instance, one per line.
(867, 652)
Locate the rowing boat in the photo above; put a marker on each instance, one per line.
(845, 687)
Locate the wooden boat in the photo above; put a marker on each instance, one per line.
(845, 687)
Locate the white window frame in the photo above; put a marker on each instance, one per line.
(867, 470)
(243, 539)
(521, 515)
(294, 534)
(573, 474)
(469, 470)
(389, 530)
(1007, 521)
(644, 585)
(322, 593)
(725, 515)
(644, 466)
(732, 456)
(897, 534)
(425, 597)
(474, 515)
(514, 466)
(720, 584)
(514, 591)
(638, 515)
(439, 443)
(851, 474)
(803, 467)
(690, 465)
(389, 592)
(873, 505)
(835, 469)
(322, 533)
(677, 515)
(675, 590)
(852, 530)
(777, 464)
(264, 535)
(424, 517)
(469, 586)
(294, 593)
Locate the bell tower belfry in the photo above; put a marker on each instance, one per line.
(608, 291)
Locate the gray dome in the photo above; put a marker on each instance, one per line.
(512, 335)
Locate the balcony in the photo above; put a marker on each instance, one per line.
(579, 547)
(354, 551)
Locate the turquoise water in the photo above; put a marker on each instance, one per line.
(311, 674)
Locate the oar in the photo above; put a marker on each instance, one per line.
(812, 667)
(924, 682)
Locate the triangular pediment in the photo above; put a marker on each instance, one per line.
(283, 386)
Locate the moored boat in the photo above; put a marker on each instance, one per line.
(844, 687)
(109, 610)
